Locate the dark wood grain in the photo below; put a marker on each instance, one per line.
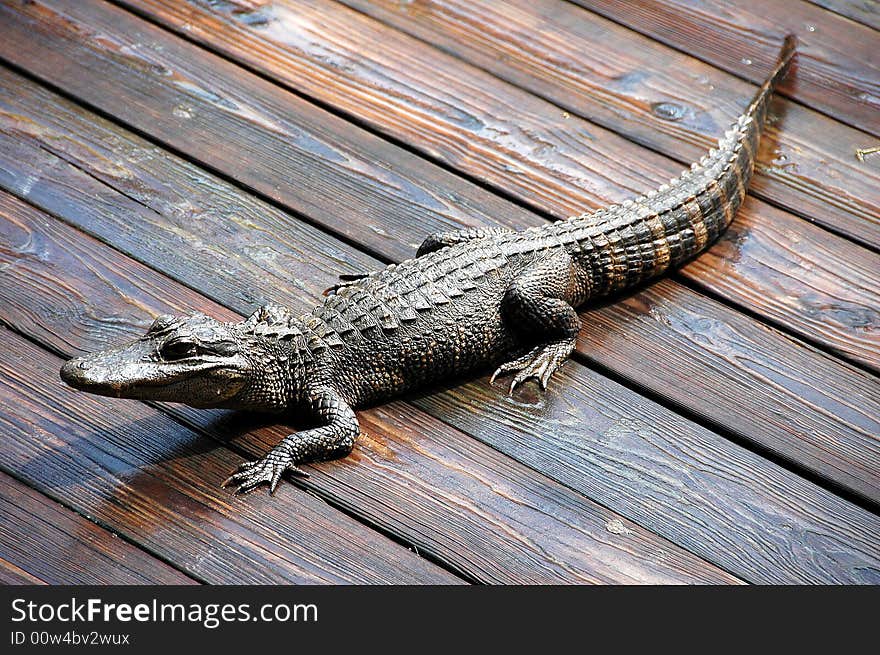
(838, 68)
(146, 476)
(774, 264)
(252, 131)
(866, 12)
(391, 229)
(721, 351)
(431, 486)
(416, 477)
(702, 493)
(10, 574)
(57, 546)
(393, 478)
(649, 93)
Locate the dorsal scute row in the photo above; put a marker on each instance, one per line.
(680, 190)
(272, 321)
(401, 293)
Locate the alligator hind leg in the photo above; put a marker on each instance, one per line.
(333, 439)
(445, 239)
(538, 304)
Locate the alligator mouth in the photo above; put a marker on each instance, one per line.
(85, 375)
(108, 374)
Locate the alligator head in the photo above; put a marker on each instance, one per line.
(195, 360)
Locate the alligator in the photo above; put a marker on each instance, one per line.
(468, 300)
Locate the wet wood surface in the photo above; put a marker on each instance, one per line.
(415, 485)
(301, 172)
(163, 492)
(165, 180)
(504, 136)
(838, 66)
(736, 442)
(654, 95)
(58, 546)
(11, 574)
(866, 12)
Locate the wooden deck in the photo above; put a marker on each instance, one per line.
(719, 426)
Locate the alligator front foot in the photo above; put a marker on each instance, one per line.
(335, 439)
(268, 470)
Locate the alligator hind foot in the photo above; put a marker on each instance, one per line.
(538, 304)
(540, 364)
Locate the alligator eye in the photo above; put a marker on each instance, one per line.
(178, 350)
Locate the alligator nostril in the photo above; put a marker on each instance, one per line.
(71, 371)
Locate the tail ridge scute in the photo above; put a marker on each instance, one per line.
(760, 103)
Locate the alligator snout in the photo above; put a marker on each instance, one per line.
(71, 372)
(78, 374)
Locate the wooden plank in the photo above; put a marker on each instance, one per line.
(838, 71)
(700, 521)
(154, 490)
(160, 492)
(431, 486)
(866, 12)
(10, 574)
(702, 491)
(737, 346)
(57, 546)
(270, 140)
(391, 225)
(769, 261)
(651, 94)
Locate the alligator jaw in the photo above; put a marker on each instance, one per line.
(117, 372)
(134, 371)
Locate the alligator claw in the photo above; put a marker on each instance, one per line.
(268, 470)
(539, 364)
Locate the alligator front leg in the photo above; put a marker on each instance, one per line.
(333, 439)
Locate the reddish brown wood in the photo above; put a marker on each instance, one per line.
(428, 484)
(148, 477)
(78, 174)
(775, 264)
(55, 545)
(676, 477)
(866, 12)
(392, 229)
(651, 94)
(252, 131)
(10, 574)
(393, 478)
(838, 67)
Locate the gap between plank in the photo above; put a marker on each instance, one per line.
(834, 11)
(697, 419)
(673, 46)
(777, 324)
(91, 519)
(503, 193)
(231, 446)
